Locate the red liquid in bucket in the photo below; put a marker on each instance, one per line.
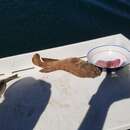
(109, 64)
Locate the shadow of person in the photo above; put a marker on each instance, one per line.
(25, 100)
(111, 90)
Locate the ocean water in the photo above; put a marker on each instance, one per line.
(29, 25)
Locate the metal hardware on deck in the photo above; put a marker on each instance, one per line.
(2, 74)
(25, 69)
(83, 57)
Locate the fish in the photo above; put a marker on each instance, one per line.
(73, 65)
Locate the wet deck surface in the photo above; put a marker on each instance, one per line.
(35, 100)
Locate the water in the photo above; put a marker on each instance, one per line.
(28, 25)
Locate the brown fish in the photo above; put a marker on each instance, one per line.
(73, 65)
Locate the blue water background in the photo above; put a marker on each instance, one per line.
(28, 25)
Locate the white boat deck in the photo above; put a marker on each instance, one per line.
(60, 100)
